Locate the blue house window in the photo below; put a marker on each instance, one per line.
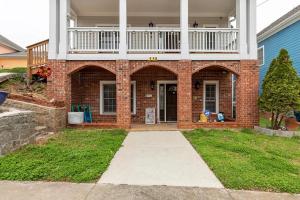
(261, 55)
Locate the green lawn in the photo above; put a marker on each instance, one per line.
(14, 70)
(72, 156)
(244, 160)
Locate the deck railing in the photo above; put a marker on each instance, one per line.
(213, 40)
(37, 54)
(94, 40)
(152, 40)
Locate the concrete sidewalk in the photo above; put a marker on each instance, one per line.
(159, 158)
(68, 191)
(6, 76)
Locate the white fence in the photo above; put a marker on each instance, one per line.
(213, 40)
(94, 39)
(150, 40)
(153, 40)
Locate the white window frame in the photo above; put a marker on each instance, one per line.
(263, 55)
(216, 82)
(102, 83)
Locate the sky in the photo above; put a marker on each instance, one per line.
(27, 21)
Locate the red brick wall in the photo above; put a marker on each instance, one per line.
(85, 90)
(143, 79)
(59, 87)
(225, 91)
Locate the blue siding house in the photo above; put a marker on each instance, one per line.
(283, 33)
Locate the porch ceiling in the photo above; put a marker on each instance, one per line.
(171, 8)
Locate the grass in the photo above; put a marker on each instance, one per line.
(20, 70)
(245, 160)
(72, 156)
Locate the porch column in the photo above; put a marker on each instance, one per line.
(184, 25)
(247, 94)
(63, 33)
(184, 111)
(53, 29)
(123, 29)
(241, 16)
(252, 26)
(123, 84)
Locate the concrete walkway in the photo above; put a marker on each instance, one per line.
(68, 191)
(159, 158)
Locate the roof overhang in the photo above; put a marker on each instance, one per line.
(265, 34)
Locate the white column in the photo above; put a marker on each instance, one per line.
(123, 29)
(184, 25)
(53, 30)
(241, 13)
(63, 36)
(252, 26)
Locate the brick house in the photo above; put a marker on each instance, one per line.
(178, 58)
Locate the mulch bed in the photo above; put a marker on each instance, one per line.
(29, 99)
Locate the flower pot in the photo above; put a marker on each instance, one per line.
(75, 118)
(291, 124)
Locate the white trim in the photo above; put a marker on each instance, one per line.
(217, 94)
(114, 83)
(208, 56)
(166, 82)
(263, 58)
(210, 25)
(134, 97)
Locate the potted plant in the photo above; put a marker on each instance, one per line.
(76, 116)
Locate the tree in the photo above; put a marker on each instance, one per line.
(281, 89)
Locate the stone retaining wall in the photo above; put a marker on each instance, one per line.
(53, 118)
(278, 133)
(17, 128)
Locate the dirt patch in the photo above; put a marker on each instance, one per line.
(36, 93)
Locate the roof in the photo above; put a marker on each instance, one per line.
(22, 54)
(8, 43)
(280, 24)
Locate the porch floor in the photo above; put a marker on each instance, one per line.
(154, 127)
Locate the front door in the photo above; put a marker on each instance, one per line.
(167, 100)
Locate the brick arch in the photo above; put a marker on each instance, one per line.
(167, 66)
(233, 67)
(75, 67)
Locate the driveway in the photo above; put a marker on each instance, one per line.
(159, 158)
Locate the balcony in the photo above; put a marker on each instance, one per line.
(142, 29)
(85, 40)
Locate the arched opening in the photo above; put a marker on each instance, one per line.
(95, 87)
(214, 90)
(156, 94)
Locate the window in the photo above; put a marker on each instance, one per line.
(261, 55)
(211, 96)
(108, 98)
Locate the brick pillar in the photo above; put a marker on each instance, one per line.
(184, 111)
(247, 94)
(57, 83)
(123, 83)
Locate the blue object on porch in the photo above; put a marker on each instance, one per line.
(207, 113)
(220, 117)
(87, 114)
(297, 115)
(3, 96)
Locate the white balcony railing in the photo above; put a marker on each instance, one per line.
(151, 40)
(213, 40)
(94, 40)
